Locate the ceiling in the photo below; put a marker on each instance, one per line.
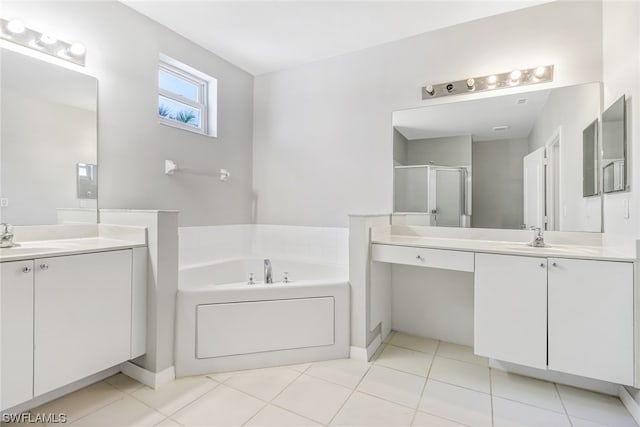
(476, 118)
(265, 36)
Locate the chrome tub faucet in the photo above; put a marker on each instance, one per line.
(268, 278)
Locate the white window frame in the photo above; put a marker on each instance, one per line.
(201, 104)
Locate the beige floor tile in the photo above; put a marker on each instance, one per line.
(221, 376)
(345, 372)
(364, 410)
(460, 352)
(124, 383)
(168, 398)
(378, 352)
(299, 367)
(422, 419)
(388, 337)
(123, 412)
(425, 345)
(456, 403)
(402, 359)
(579, 422)
(313, 398)
(168, 422)
(393, 385)
(264, 384)
(82, 402)
(542, 394)
(222, 406)
(462, 374)
(596, 407)
(507, 413)
(272, 416)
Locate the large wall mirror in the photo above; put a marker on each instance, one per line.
(511, 161)
(48, 145)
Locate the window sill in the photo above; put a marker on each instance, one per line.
(185, 128)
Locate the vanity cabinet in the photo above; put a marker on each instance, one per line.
(510, 309)
(65, 318)
(82, 311)
(584, 308)
(16, 294)
(591, 319)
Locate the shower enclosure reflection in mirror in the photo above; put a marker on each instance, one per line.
(522, 154)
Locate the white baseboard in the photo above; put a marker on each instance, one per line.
(630, 403)
(148, 378)
(365, 353)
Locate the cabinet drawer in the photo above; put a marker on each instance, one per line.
(434, 258)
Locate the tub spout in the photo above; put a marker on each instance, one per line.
(267, 271)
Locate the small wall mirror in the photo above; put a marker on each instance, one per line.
(614, 147)
(590, 160)
(87, 181)
(49, 129)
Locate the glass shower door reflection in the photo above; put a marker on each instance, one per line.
(448, 197)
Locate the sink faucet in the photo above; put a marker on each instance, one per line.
(267, 271)
(6, 236)
(538, 238)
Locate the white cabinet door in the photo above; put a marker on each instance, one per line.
(591, 319)
(510, 309)
(16, 282)
(82, 316)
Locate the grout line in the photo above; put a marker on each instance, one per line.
(216, 385)
(555, 387)
(426, 380)
(351, 394)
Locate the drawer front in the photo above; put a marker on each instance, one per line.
(423, 257)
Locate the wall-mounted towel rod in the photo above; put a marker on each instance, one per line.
(171, 167)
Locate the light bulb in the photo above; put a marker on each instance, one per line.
(540, 72)
(515, 75)
(77, 49)
(492, 79)
(48, 39)
(429, 89)
(471, 83)
(15, 27)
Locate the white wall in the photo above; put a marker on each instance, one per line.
(328, 123)
(621, 76)
(448, 151)
(498, 183)
(122, 52)
(39, 162)
(571, 110)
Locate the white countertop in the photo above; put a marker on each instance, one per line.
(52, 248)
(505, 247)
(45, 241)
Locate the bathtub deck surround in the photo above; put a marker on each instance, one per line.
(253, 296)
(73, 308)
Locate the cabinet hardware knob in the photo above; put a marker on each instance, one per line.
(44, 266)
(542, 264)
(555, 264)
(419, 257)
(26, 269)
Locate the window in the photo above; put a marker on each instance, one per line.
(185, 97)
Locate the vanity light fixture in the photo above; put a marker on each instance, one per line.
(16, 32)
(516, 77)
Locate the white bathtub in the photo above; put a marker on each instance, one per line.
(223, 323)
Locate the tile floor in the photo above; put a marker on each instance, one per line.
(411, 381)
